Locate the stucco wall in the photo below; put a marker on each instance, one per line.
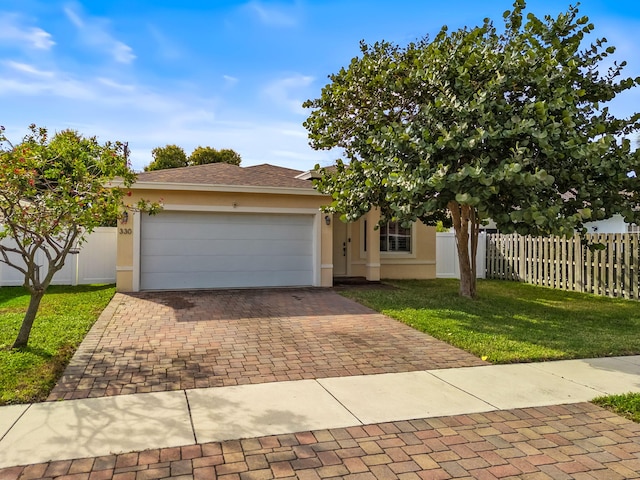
(239, 202)
(419, 264)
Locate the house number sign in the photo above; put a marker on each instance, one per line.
(124, 231)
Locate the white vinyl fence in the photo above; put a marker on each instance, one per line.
(447, 265)
(96, 262)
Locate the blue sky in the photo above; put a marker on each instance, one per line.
(228, 74)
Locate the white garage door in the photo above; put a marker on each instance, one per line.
(183, 250)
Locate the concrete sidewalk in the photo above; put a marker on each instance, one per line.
(102, 426)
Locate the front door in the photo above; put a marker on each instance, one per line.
(339, 247)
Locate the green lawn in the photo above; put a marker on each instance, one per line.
(512, 322)
(627, 405)
(66, 314)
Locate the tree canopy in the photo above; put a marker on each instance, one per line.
(54, 192)
(204, 155)
(173, 156)
(511, 125)
(169, 156)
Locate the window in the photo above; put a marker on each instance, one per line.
(395, 238)
(633, 228)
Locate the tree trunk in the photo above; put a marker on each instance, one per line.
(29, 317)
(465, 219)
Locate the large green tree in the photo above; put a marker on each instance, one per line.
(169, 156)
(204, 155)
(55, 191)
(478, 123)
(173, 156)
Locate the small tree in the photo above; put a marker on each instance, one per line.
(205, 155)
(481, 124)
(169, 156)
(54, 192)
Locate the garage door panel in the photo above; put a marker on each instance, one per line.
(290, 232)
(189, 264)
(233, 247)
(213, 250)
(237, 279)
(230, 263)
(195, 218)
(281, 247)
(226, 232)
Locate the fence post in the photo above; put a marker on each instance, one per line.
(633, 266)
(522, 264)
(578, 264)
(74, 269)
(618, 271)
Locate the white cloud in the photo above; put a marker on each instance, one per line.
(286, 154)
(166, 47)
(12, 31)
(115, 85)
(73, 17)
(272, 16)
(29, 69)
(295, 133)
(60, 87)
(229, 80)
(94, 33)
(147, 118)
(282, 91)
(122, 53)
(23, 79)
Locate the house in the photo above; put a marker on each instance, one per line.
(225, 226)
(614, 224)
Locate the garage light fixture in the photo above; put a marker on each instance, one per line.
(125, 217)
(327, 219)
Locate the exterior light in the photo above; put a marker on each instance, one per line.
(327, 219)
(124, 218)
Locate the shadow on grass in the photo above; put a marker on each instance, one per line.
(8, 294)
(28, 350)
(65, 316)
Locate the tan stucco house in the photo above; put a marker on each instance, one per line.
(225, 226)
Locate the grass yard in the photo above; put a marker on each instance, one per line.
(512, 322)
(66, 314)
(627, 405)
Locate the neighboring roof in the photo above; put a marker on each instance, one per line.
(311, 174)
(264, 175)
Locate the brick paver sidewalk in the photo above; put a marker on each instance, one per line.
(580, 441)
(153, 342)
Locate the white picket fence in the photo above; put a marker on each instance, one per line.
(447, 256)
(96, 262)
(567, 264)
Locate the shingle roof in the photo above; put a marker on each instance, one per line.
(264, 175)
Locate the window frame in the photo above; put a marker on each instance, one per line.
(394, 230)
(404, 255)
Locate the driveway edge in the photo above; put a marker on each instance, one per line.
(83, 354)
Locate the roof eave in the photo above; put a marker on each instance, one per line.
(309, 175)
(199, 187)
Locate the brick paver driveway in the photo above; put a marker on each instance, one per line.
(164, 341)
(161, 341)
(578, 441)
